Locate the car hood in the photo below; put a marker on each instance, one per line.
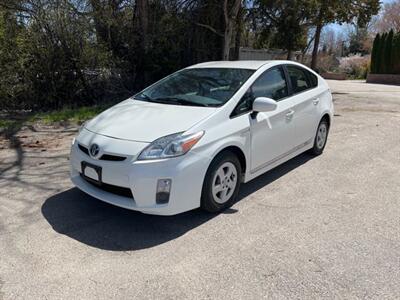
(145, 121)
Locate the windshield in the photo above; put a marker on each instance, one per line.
(197, 87)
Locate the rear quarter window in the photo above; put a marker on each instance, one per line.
(313, 79)
(301, 79)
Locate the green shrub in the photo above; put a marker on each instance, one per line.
(374, 63)
(385, 57)
(396, 54)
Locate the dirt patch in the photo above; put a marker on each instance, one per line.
(39, 137)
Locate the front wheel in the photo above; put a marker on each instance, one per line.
(320, 138)
(222, 182)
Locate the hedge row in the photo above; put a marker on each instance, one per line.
(385, 57)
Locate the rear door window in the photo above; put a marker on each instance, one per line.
(299, 79)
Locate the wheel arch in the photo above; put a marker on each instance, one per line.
(327, 117)
(239, 154)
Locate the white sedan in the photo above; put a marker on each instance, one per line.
(192, 138)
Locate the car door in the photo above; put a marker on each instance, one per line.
(271, 132)
(305, 94)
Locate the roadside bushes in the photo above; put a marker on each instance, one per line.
(385, 57)
(355, 66)
(74, 53)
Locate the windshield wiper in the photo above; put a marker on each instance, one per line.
(143, 97)
(170, 100)
(176, 100)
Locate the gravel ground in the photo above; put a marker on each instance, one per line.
(327, 227)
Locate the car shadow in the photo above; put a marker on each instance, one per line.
(100, 225)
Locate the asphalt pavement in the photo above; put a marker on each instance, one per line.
(325, 227)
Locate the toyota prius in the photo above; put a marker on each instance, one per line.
(192, 138)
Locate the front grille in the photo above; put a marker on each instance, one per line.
(107, 157)
(83, 149)
(112, 157)
(113, 189)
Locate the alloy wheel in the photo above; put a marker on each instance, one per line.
(224, 182)
(321, 135)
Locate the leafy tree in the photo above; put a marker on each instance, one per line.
(381, 54)
(12, 85)
(340, 11)
(396, 54)
(283, 23)
(385, 58)
(75, 52)
(358, 41)
(374, 57)
(387, 54)
(82, 52)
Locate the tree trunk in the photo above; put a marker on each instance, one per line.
(230, 16)
(314, 59)
(305, 50)
(289, 54)
(141, 23)
(227, 41)
(290, 50)
(101, 30)
(318, 30)
(238, 36)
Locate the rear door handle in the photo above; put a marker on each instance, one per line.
(315, 101)
(290, 114)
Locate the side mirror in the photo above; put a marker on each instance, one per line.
(263, 104)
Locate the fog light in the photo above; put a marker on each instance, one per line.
(163, 190)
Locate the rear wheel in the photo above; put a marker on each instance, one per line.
(320, 138)
(222, 182)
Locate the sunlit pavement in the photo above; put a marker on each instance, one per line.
(324, 227)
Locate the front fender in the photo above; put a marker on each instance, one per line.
(239, 140)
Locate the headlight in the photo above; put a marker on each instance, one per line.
(170, 146)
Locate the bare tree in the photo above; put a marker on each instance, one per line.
(389, 18)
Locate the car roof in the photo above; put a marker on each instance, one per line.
(239, 64)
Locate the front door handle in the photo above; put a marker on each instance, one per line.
(316, 101)
(289, 115)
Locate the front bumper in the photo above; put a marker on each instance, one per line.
(186, 172)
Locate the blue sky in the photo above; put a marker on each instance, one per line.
(338, 27)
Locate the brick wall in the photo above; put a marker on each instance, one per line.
(384, 78)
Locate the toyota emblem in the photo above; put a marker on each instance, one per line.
(94, 150)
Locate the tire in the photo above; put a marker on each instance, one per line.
(218, 178)
(321, 137)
